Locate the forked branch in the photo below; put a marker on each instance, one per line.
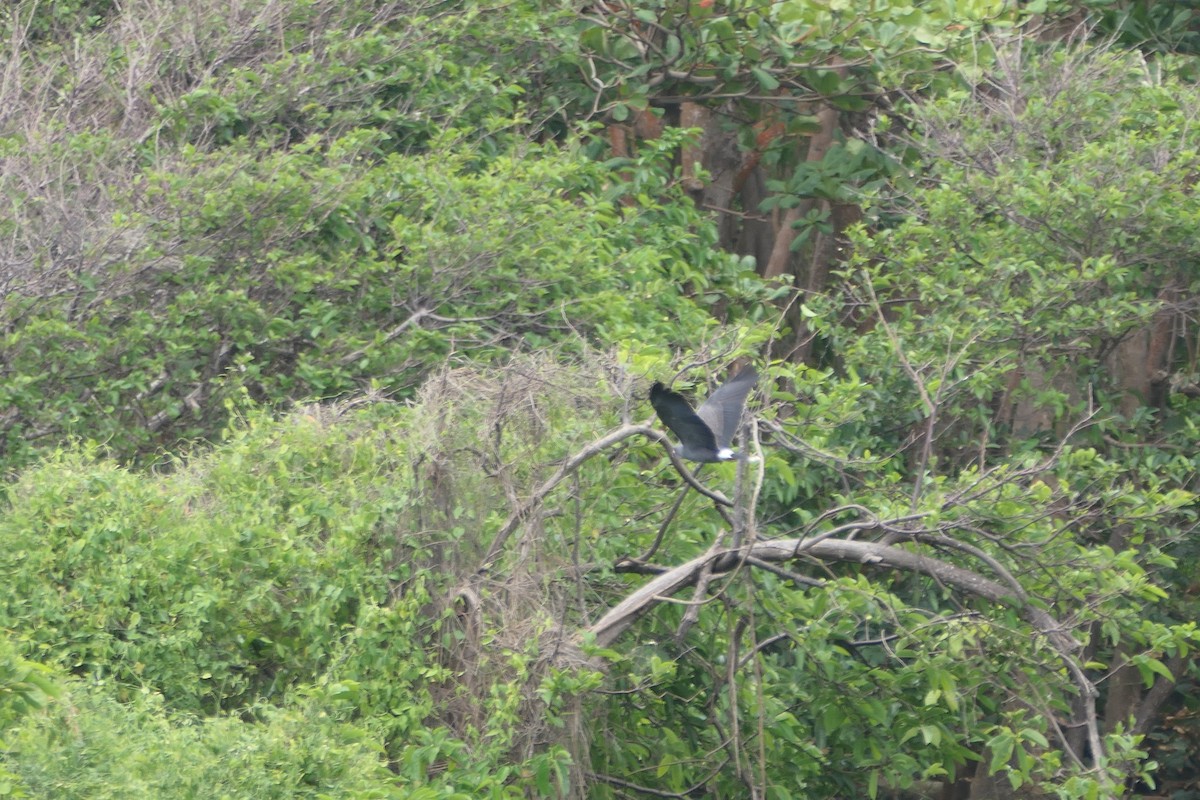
(573, 463)
(609, 627)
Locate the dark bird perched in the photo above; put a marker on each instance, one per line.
(705, 434)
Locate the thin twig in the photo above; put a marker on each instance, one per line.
(573, 463)
(666, 523)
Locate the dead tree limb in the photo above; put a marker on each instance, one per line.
(610, 627)
(571, 464)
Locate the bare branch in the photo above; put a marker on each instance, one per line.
(415, 319)
(571, 464)
(609, 627)
(666, 523)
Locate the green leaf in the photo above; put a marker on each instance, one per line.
(1001, 746)
(542, 777)
(765, 79)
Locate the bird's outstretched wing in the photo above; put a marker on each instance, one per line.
(723, 408)
(677, 414)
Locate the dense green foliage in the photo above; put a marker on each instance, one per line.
(325, 333)
(292, 577)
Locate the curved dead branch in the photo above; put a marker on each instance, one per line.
(718, 561)
(571, 464)
(609, 627)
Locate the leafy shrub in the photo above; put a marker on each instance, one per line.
(94, 746)
(304, 570)
(1044, 260)
(325, 269)
(289, 200)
